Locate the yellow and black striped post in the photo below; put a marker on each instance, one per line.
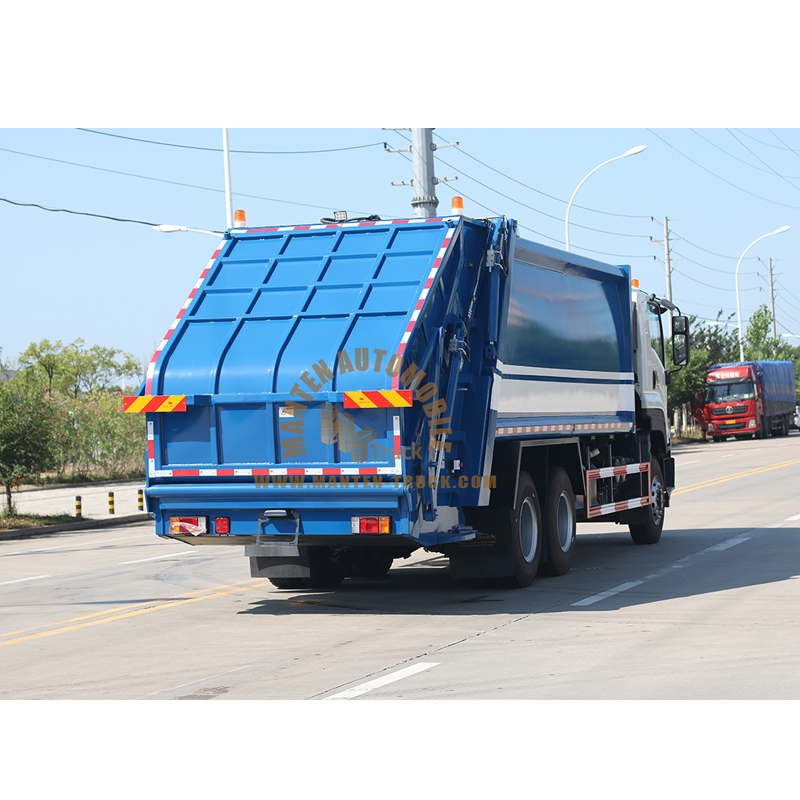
(111, 502)
(141, 499)
(78, 506)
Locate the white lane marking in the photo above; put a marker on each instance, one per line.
(595, 598)
(794, 518)
(363, 688)
(20, 580)
(685, 463)
(680, 564)
(155, 558)
(199, 680)
(729, 543)
(77, 544)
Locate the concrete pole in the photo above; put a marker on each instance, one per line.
(668, 267)
(424, 202)
(772, 300)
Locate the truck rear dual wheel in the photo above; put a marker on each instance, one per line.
(649, 531)
(559, 524)
(328, 569)
(525, 531)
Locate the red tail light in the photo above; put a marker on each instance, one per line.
(191, 525)
(222, 524)
(370, 524)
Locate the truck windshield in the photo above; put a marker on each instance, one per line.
(719, 392)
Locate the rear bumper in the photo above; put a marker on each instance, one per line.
(299, 516)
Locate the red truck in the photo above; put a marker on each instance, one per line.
(748, 398)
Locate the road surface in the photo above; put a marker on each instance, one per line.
(711, 612)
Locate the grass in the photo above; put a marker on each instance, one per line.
(15, 521)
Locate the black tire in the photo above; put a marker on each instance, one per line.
(559, 525)
(525, 531)
(288, 583)
(328, 570)
(649, 531)
(369, 562)
(762, 429)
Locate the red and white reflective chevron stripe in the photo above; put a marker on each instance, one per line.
(624, 505)
(148, 386)
(152, 472)
(398, 465)
(268, 471)
(145, 404)
(610, 472)
(625, 469)
(596, 426)
(605, 426)
(151, 453)
(323, 226)
(379, 398)
(421, 300)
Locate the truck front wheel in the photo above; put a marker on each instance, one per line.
(649, 531)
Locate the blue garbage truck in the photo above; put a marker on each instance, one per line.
(335, 396)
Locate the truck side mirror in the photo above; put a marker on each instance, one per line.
(680, 341)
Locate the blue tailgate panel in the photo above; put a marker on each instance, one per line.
(259, 348)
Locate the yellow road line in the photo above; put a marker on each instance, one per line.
(735, 476)
(179, 600)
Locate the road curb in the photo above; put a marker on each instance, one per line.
(24, 533)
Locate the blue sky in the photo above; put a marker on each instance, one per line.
(119, 284)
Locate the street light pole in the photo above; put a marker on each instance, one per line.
(738, 304)
(176, 228)
(632, 152)
(228, 195)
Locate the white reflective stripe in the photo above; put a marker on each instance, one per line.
(549, 372)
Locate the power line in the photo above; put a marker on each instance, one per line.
(164, 180)
(719, 255)
(544, 194)
(709, 286)
(245, 152)
(525, 205)
(790, 149)
(773, 171)
(740, 160)
(705, 266)
(766, 144)
(82, 213)
(718, 177)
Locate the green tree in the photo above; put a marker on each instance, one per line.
(759, 345)
(75, 370)
(43, 361)
(27, 423)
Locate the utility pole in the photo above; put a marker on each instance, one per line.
(771, 297)
(422, 148)
(667, 265)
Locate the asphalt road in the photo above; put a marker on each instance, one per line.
(711, 612)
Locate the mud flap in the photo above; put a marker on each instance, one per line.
(489, 555)
(279, 561)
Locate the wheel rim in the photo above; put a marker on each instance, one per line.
(528, 529)
(657, 499)
(564, 521)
